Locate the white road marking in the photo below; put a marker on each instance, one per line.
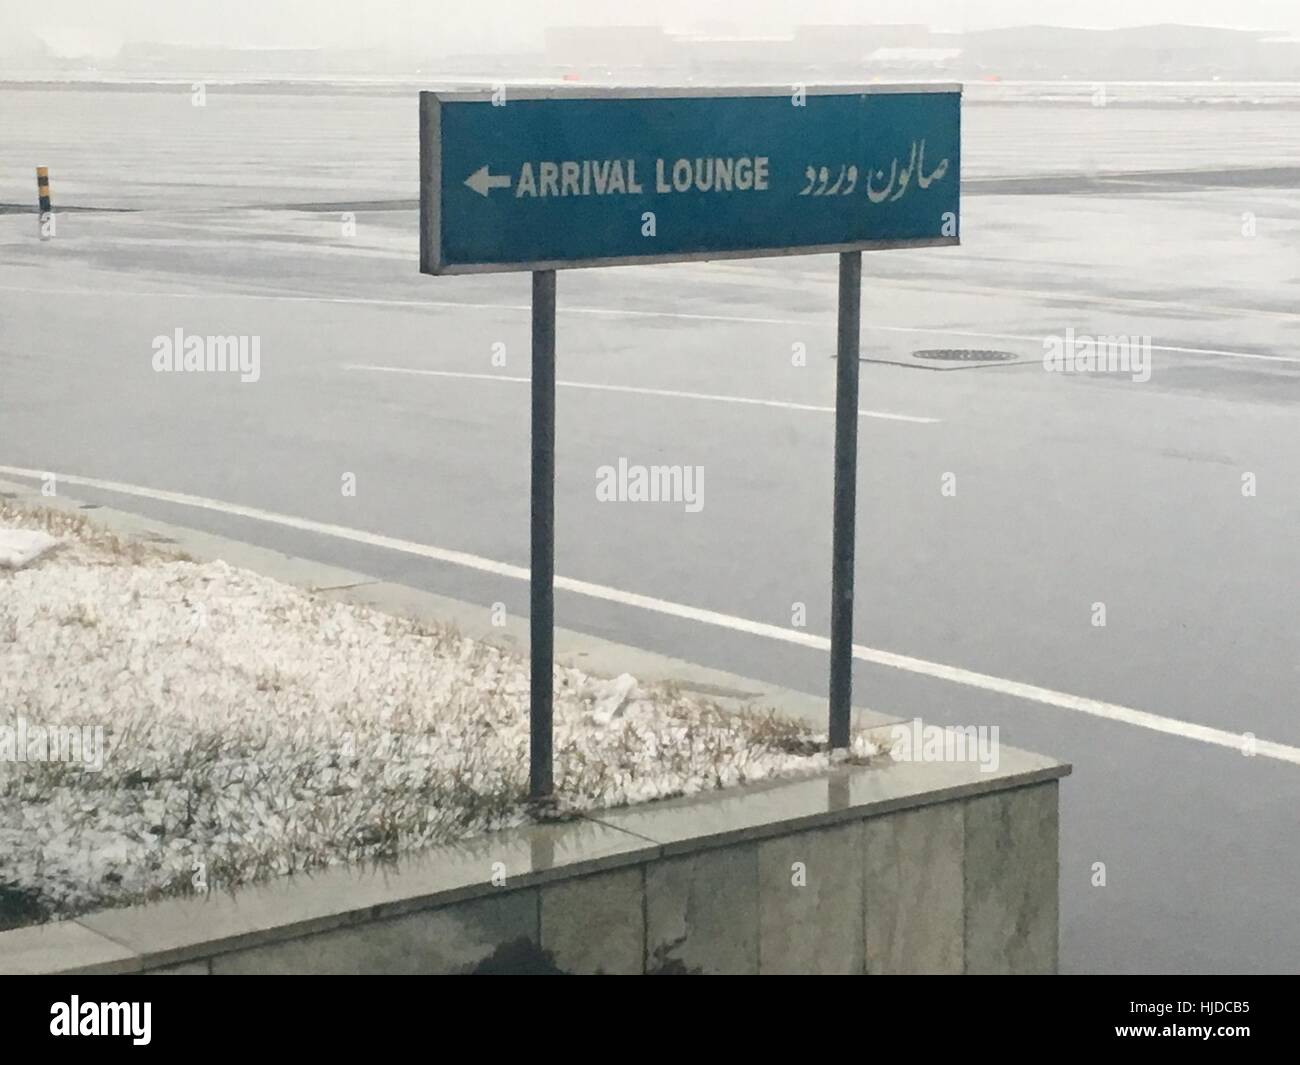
(615, 312)
(955, 674)
(669, 393)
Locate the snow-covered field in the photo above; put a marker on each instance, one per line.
(252, 729)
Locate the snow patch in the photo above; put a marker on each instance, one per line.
(18, 547)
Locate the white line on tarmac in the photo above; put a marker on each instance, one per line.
(761, 270)
(955, 674)
(612, 312)
(669, 393)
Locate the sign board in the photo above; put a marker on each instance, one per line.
(548, 179)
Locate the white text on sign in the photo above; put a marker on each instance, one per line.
(612, 177)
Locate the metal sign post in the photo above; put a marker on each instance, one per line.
(846, 491)
(541, 582)
(549, 179)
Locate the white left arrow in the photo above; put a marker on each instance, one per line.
(481, 181)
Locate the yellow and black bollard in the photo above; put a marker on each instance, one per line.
(43, 192)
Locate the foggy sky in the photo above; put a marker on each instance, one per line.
(442, 26)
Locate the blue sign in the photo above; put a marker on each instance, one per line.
(552, 179)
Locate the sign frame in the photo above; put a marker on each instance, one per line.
(541, 590)
(432, 101)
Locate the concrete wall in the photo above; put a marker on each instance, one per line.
(858, 871)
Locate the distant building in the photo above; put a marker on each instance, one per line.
(612, 47)
(186, 59)
(851, 44)
(911, 60)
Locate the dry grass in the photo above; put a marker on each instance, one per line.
(84, 539)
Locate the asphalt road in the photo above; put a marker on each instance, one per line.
(1070, 490)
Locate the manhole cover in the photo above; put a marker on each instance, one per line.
(963, 355)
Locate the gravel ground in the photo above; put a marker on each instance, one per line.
(232, 728)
